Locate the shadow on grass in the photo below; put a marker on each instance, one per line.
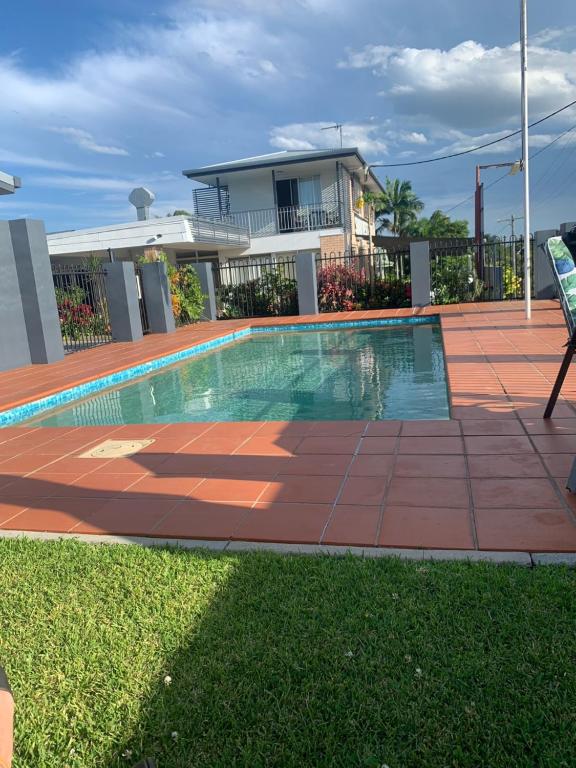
(348, 662)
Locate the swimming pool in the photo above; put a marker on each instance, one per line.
(379, 371)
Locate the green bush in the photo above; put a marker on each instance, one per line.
(78, 318)
(453, 279)
(186, 294)
(270, 294)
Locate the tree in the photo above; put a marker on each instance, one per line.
(396, 207)
(180, 212)
(438, 225)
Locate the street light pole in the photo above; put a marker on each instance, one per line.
(524, 101)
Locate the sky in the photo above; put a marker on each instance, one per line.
(100, 96)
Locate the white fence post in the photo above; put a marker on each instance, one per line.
(307, 283)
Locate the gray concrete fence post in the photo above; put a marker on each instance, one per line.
(14, 348)
(156, 292)
(34, 271)
(420, 273)
(307, 283)
(205, 273)
(122, 297)
(544, 287)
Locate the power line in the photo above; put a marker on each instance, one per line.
(542, 149)
(472, 149)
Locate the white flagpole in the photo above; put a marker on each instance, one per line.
(524, 67)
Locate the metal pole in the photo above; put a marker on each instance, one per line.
(524, 86)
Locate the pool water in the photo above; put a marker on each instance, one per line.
(392, 372)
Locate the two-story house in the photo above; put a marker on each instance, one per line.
(271, 205)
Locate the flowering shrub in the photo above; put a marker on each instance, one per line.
(341, 288)
(77, 318)
(186, 294)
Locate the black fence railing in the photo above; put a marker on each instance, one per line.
(82, 305)
(352, 281)
(258, 288)
(141, 300)
(464, 271)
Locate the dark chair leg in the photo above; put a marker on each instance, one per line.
(560, 379)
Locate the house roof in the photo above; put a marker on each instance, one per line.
(274, 159)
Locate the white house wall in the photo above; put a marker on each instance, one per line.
(251, 191)
(289, 242)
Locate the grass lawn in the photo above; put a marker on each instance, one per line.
(285, 661)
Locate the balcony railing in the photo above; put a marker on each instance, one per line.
(225, 231)
(293, 218)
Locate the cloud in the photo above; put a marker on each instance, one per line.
(82, 182)
(17, 159)
(85, 140)
(312, 136)
(469, 85)
(511, 146)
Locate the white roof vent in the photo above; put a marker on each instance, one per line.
(142, 198)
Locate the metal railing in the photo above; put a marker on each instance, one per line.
(259, 288)
(222, 231)
(82, 305)
(464, 271)
(352, 281)
(293, 218)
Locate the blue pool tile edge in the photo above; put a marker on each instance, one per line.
(29, 410)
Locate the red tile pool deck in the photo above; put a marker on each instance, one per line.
(491, 478)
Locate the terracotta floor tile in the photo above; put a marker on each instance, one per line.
(39, 485)
(202, 520)
(543, 443)
(10, 507)
(303, 489)
(338, 428)
(495, 444)
(431, 428)
(371, 465)
(428, 465)
(58, 515)
(426, 527)
(529, 411)
(550, 426)
(558, 464)
(352, 525)
(364, 491)
(24, 464)
(186, 431)
(378, 445)
(271, 445)
(224, 490)
(328, 445)
(215, 446)
(537, 493)
(316, 465)
(492, 427)
(533, 530)
(126, 516)
(234, 429)
(497, 410)
(428, 491)
(290, 523)
(515, 465)
(431, 445)
(189, 464)
(285, 428)
(97, 485)
(72, 465)
(163, 486)
(259, 467)
(383, 428)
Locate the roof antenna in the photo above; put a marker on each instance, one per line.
(336, 126)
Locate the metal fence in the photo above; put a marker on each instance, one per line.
(376, 280)
(463, 271)
(82, 305)
(141, 300)
(258, 288)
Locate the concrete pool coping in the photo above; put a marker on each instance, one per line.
(489, 480)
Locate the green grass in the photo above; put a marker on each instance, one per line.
(285, 661)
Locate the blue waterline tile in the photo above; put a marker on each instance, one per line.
(28, 410)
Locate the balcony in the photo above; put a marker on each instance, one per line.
(293, 218)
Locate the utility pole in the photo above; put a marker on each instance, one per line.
(524, 104)
(336, 126)
(510, 220)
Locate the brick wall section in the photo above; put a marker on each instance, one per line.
(332, 244)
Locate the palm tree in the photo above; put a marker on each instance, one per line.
(397, 207)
